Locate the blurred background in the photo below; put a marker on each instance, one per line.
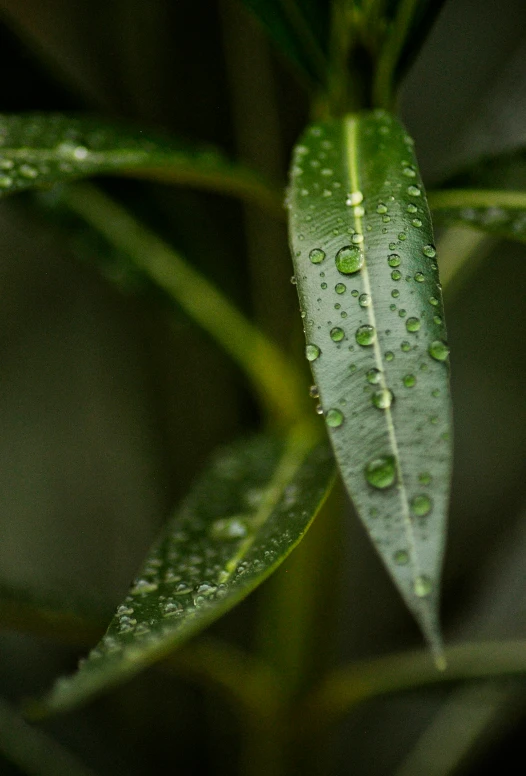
(111, 400)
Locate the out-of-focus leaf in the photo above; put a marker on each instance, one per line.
(33, 751)
(242, 518)
(54, 615)
(367, 278)
(300, 30)
(498, 212)
(401, 28)
(43, 149)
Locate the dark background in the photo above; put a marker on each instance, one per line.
(111, 403)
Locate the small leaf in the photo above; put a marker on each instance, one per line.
(43, 149)
(247, 512)
(498, 212)
(367, 279)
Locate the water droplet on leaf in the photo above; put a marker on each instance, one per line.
(381, 472)
(349, 259)
(317, 255)
(438, 350)
(312, 352)
(365, 335)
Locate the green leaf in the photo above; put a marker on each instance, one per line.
(498, 212)
(406, 24)
(365, 269)
(300, 30)
(43, 149)
(243, 517)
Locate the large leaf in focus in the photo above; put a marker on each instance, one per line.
(243, 517)
(498, 212)
(300, 30)
(43, 149)
(367, 279)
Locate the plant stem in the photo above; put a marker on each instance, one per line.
(346, 687)
(383, 86)
(278, 386)
(484, 198)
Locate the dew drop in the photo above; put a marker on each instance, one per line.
(229, 529)
(413, 191)
(423, 586)
(405, 346)
(409, 381)
(317, 255)
(409, 172)
(429, 251)
(381, 208)
(382, 399)
(401, 557)
(402, 312)
(416, 222)
(389, 355)
(424, 478)
(293, 280)
(340, 288)
(438, 350)
(412, 324)
(334, 418)
(318, 409)
(357, 238)
(420, 277)
(142, 586)
(373, 376)
(365, 335)
(381, 472)
(396, 274)
(364, 300)
(314, 392)
(421, 505)
(395, 293)
(412, 208)
(349, 259)
(354, 198)
(402, 236)
(337, 334)
(393, 260)
(312, 352)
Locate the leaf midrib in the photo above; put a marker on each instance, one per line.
(351, 144)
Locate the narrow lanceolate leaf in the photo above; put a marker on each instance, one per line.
(367, 279)
(496, 211)
(247, 512)
(43, 149)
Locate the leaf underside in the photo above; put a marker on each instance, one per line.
(355, 189)
(245, 514)
(44, 149)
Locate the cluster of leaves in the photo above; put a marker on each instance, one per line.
(370, 297)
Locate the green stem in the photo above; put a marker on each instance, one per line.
(346, 687)
(279, 387)
(383, 86)
(446, 199)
